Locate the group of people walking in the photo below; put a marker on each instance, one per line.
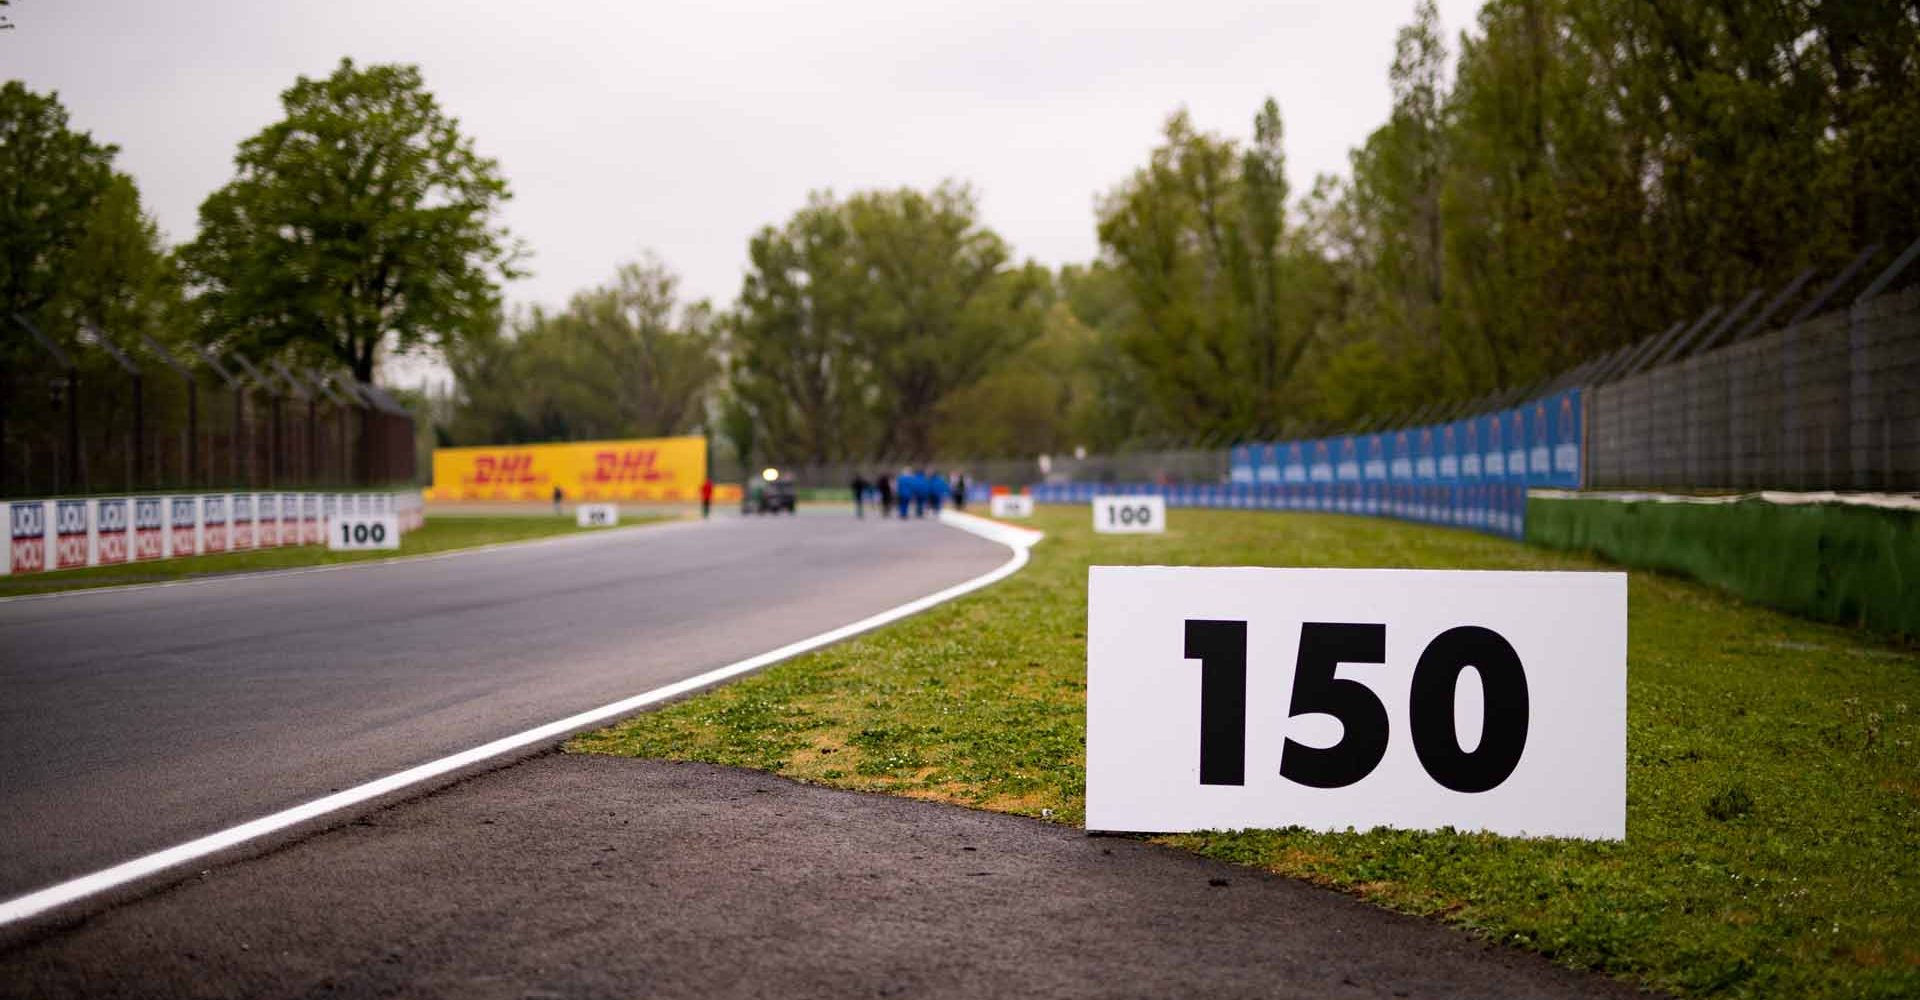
(915, 490)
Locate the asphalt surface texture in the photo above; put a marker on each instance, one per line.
(586, 876)
(135, 720)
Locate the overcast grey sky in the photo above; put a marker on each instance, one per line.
(683, 128)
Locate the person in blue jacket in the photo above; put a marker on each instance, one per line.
(904, 487)
(938, 491)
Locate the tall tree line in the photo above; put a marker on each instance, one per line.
(1567, 177)
(1557, 179)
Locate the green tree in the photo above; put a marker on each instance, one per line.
(363, 218)
(799, 382)
(625, 359)
(940, 305)
(1199, 238)
(860, 318)
(1118, 408)
(120, 278)
(1037, 401)
(51, 179)
(77, 253)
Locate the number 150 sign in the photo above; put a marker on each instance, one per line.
(1240, 697)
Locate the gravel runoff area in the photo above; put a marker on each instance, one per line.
(590, 876)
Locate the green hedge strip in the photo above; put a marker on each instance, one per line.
(1832, 562)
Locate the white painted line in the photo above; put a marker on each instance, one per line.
(265, 574)
(34, 903)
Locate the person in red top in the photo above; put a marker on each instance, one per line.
(706, 497)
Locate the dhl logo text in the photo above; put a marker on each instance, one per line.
(633, 466)
(503, 469)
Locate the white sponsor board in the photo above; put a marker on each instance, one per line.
(1129, 515)
(1231, 698)
(112, 526)
(183, 526)
(149, 528)
(71, 534)
(597, 515)
(57, 534)
(351, 532)
(1010, 505)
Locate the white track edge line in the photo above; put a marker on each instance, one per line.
(35, 903)
(263, 574)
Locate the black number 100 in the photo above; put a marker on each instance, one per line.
(361, 534)
(1221, 648)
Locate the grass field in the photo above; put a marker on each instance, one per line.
(1773, 844)
(440, 534)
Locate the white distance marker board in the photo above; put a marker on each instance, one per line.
(1011, 505)
(1129, 515)
(1234, 698)
(354, 532)
(597, 515)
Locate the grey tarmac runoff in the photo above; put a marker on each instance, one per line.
(588, 876)
(138, 719)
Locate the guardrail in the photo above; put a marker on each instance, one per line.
(73, 533)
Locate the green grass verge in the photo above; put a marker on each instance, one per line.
(439, 534)
(1773, 763)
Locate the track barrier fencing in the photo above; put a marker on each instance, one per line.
(73, 533)
(1813, 387)
(88, 415)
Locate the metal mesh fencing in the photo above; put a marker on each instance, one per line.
(94, 417)
(1831, 402)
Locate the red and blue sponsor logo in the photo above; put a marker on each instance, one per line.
(213, 515)
(240, 536)
(70, 534)
(183, 519)
(111, 516)
(149, 525)
(28, 525)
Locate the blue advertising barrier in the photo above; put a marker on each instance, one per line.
(1240, 464)
(1472, 473)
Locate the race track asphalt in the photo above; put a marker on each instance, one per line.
(587, 876)
(132, 721)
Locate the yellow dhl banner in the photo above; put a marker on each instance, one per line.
(640, 469)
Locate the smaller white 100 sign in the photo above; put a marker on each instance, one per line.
(1129, 515)
(363, 531)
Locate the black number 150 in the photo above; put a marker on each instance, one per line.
(1221, 648)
